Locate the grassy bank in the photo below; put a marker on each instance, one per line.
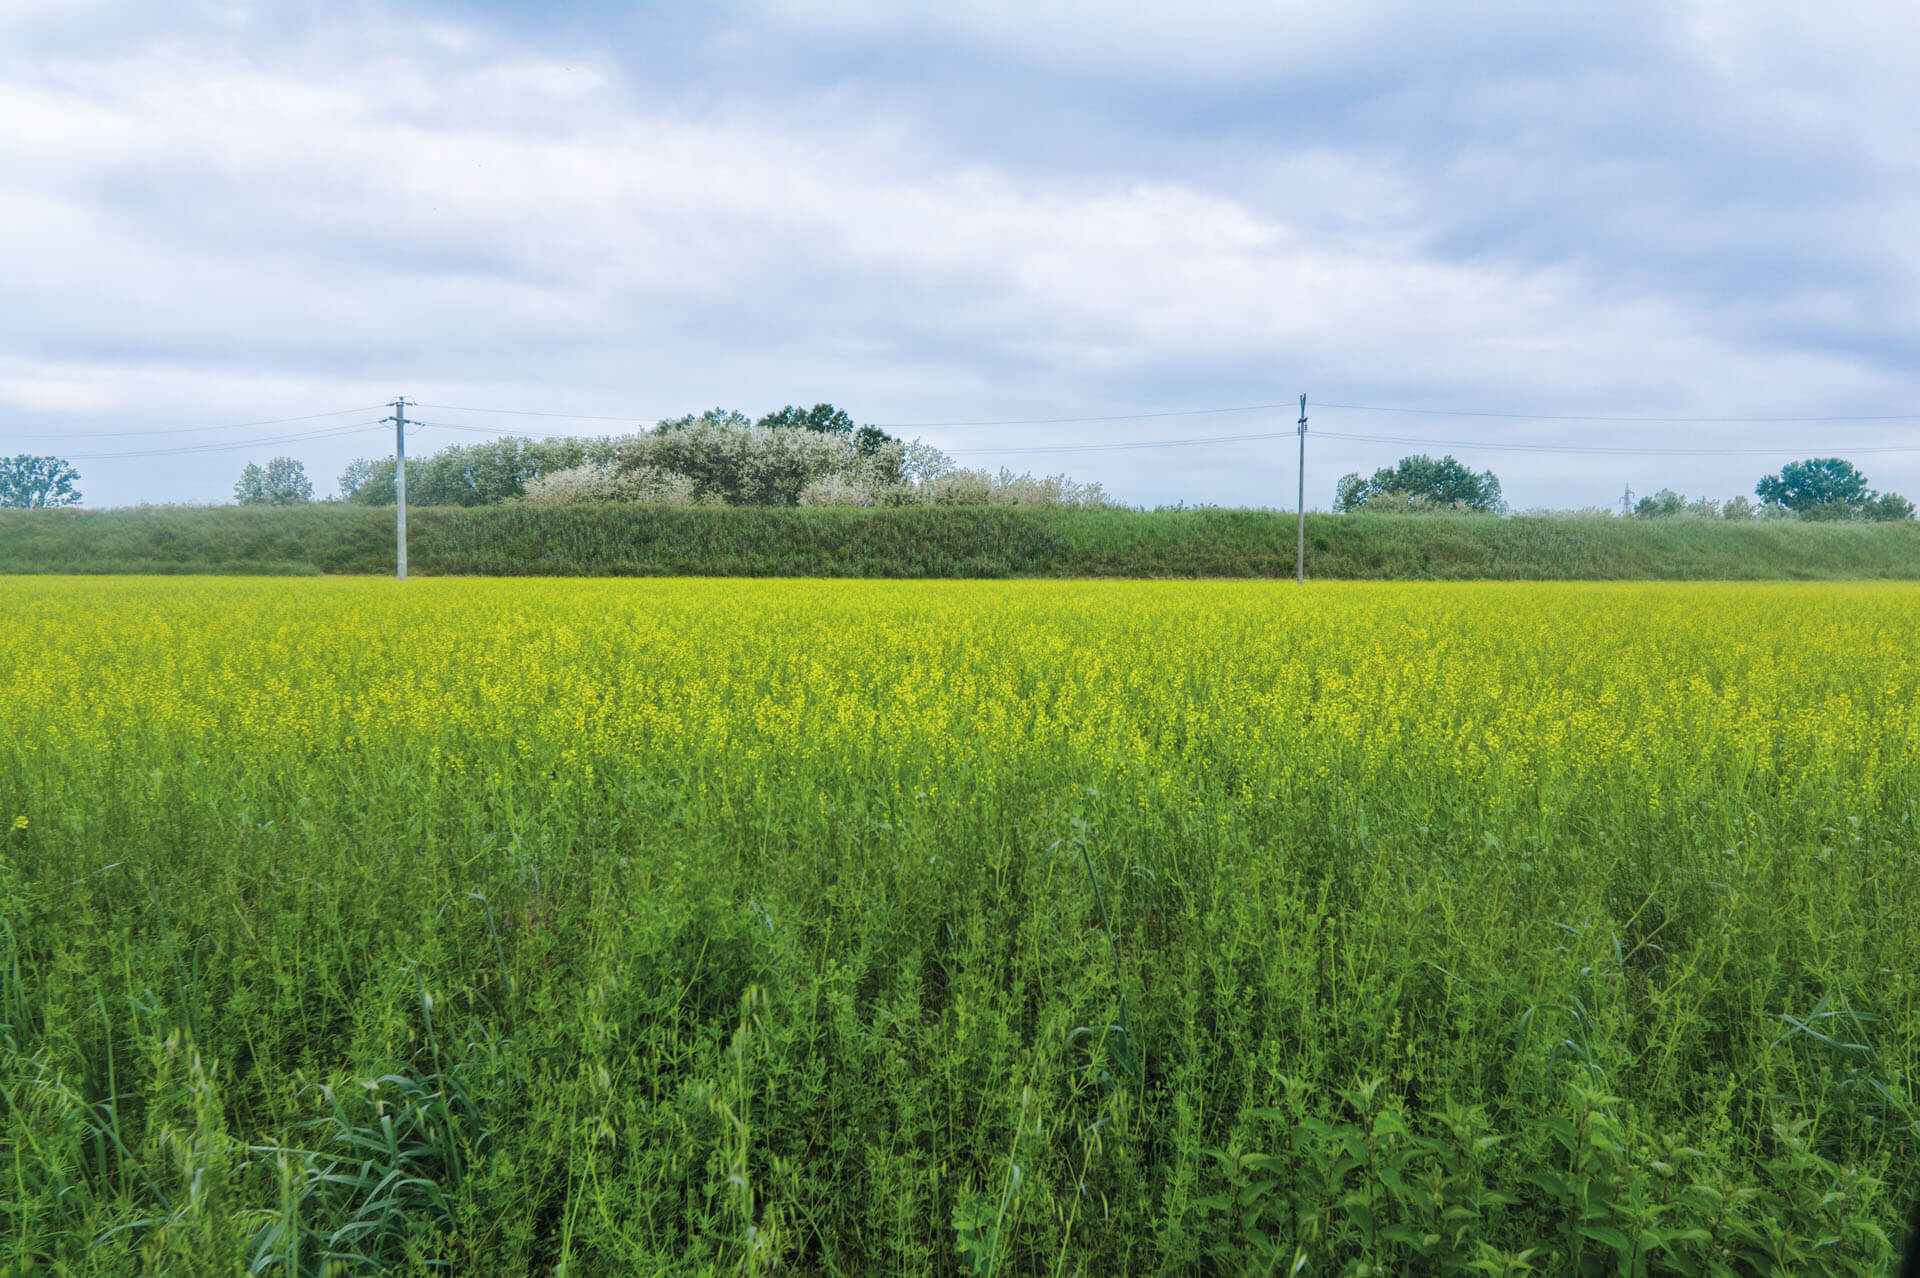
(651, 541)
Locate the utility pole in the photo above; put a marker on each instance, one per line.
(400, 484)
(1300, 539)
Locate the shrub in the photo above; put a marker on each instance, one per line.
(583, 484)
(758, 465)
(472, 474)
(835, 490)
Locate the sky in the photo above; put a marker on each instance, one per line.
(1515, 219)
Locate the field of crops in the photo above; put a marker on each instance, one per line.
(805, 927)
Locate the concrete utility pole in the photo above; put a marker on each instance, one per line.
(400, 483)
(1300, 541)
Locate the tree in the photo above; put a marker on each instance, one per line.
(1421, 483)
(712, 417)
(824, 418)
(1665, 504)
(283, 482)
(35, 483)
(473, 474)
(1819, 488)
(1887, 508)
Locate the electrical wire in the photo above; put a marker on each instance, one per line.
(331, 432)
(1035, 449)
(181, 430)
(1653, 421)
(1018, 450)
(1418, 441)
(528, 412)
(1132, 444)
(1617, 451)
(1260, 408)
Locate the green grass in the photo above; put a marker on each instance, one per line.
(630, 541)
(964, 928)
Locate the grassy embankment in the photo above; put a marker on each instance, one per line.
(641, 541)
(704, 928)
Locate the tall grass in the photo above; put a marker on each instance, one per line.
(618, 540)
(704, 927)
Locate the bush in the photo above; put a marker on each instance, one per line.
(758, 465)
(796, 457)
(584, 484)
(835, 490)
(472, 474)
(1667, 504)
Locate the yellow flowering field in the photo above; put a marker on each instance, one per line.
(700, 926)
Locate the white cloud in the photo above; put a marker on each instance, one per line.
(244, 225)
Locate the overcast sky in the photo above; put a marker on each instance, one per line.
(231, 212)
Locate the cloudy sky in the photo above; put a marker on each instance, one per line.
(226, 213)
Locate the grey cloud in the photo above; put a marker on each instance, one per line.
(958, 212)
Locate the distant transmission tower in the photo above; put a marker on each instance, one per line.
(1626, 501)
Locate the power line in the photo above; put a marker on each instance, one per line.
(183, 430)
(1024, 449)
(1110, 448)
(1613, 451)
(330, 432)
(528, 412)
(1061, 421)
(1015, 450)
(1257, 408)
(494, 430)
(1655, 421)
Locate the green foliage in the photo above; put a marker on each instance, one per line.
(1665, 504)
(482, 969)
(627, 539)
(1886, 508)
(378, 1192)
(720, 417)
(823, 418)
(828, 420)
(752, 465)
(282, 482)
(1830, 489)
(1421, 483)
(1819, 488)
(37, 483)
(470, 474)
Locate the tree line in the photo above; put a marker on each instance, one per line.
(796, 456)
(820, 456)
(1819, 488)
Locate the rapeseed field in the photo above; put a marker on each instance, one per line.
(806, 927)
